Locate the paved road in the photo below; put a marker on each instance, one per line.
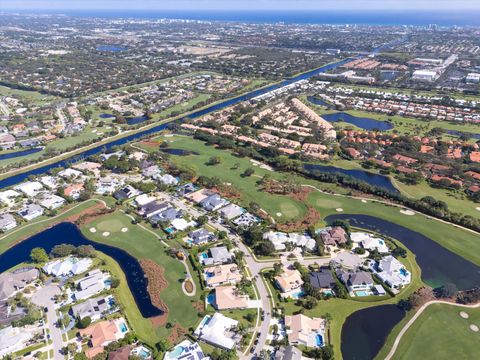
(43, 298)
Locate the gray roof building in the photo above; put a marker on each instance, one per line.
(288, 353)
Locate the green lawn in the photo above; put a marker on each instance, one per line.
(441, 334)
(282, 208)
(462, 242)
(143, 245)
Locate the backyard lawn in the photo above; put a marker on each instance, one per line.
(447, 334)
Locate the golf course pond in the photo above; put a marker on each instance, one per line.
(68, 233)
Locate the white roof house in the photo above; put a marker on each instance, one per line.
(49, 181)
(7, 197)
(29, 188)
(182, 224)
(70, 173)
(393, 272)
(51, 201)
(369, 242)
(167, 179)
(68, 266)
(30, 211)
(144, 199)
(216, 330)
(90, 285)
(231, 211)
(7, 222)
(13, 339)
(186, 350)
(279, 239)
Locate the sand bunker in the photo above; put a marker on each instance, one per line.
(477, 208)
(93, 230)
(338, 209)
(474, 328)
(124, 229)
(463, 314)
(106, 233)
(407, 212)
(364, 201)
(279, 214)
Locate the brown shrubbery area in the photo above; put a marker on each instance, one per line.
(156, 284)
(89, 215)
(311, 218)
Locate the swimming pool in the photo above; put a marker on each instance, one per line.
(403, 271)
(204, 255)
(169, 230)
(298, 294)
(123, 328)
(211, 298)
(361, 293)
(319, 340)
(175, 353)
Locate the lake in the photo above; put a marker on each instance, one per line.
(364, 123)
(438, 264)
(68, 233)
(377, 180)
(20, 153)
(365, 331)
(136, 120)
(460, 133)
(179, 152)
(316, 101)
(106, 116)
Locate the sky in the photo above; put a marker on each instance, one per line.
(240, 5)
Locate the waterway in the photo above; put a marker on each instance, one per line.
(179, 152)
(15, 179)
(365, 331)
(460, 133)
(20, 153)
(376, 180)
(68, 233)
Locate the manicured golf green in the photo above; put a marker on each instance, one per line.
(440, 333)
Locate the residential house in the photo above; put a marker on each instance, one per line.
(393, 273)
(355, 281)
(9, 197)
(7, 222)
(333, 236)
(231, 211)
(50, 182)
(306, 331)
(290, 283)
(92, 284)
(222, 275)
(70, 174)
(51, 201)
(167, 179)
(11, 282)
(30, 188)
(347, 260)
(322, 279)
(217, 331)
(30, 211)
(246, 220)
(201, 236)
(186, 351)
(103, 333)
(73, 190)
(228, 297)
(152, 208)
(94, 308)
(218, 255)
(166, 216)
(68, 266)
(213, 202)
(13, 339)
(369, 242)
(143, 199)
(288, 353)
(126, 192)
(199, 195)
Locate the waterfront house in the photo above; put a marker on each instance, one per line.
(333, 236)
(92, 284)
(30, 188)
(392, 272)
(7, 222)
(68, 266)
(94, 308)
(369, 242)
(306, 331)
(217, 331)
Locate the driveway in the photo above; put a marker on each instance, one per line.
(43, 298)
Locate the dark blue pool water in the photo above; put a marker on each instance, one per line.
(16, 154)
(365, 331)
(361, 122)
(438, 264)
(380, 181)
(70, 234)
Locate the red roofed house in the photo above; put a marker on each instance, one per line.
(404, 159)
(475, 156)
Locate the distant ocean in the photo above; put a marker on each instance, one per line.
(417, 18)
